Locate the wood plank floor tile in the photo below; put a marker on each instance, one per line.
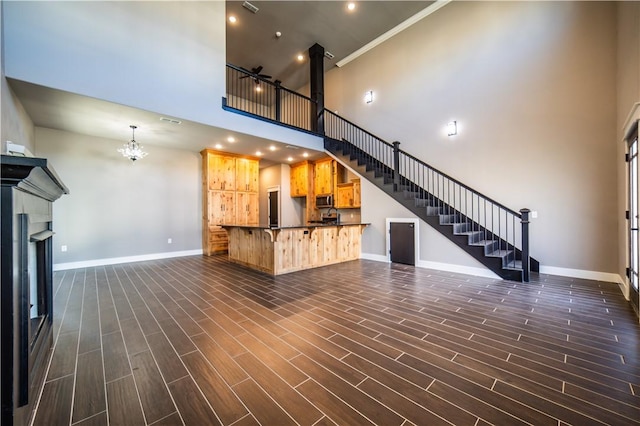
(302, 411)
(277, 363)
(89, 395)
(124, 404)
(357, 343)
(337, 410)
(220, 359)
(340, 387)
(65, 352)
(264, 409)
(224, 401)
(166, 357)
(176, 336)
(192, 406)
(99, 419)
(116, 360)
(154, 396)
(54, 407)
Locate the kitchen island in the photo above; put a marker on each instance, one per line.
(280, 250)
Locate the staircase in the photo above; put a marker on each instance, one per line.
(488, 231)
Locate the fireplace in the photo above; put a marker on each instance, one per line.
(29, 187)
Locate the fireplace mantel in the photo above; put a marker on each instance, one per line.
(33, 175)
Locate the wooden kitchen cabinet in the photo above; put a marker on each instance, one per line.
(301, 179)
(222, 207)
(247, 208)
(221, 172)
(230, 186)
(247, 174)
(348, 195)
(324, 171)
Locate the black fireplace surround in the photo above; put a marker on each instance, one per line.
(29, 187)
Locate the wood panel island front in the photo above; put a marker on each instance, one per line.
(280, 250)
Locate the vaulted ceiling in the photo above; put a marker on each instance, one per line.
(250, 42)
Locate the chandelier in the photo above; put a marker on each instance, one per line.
(132, 149)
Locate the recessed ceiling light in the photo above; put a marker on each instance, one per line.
(258, 153)
(233, 19)
(272, 148)
(218, 146)
(231, 139)
(258, 88)
(351, 6)
(305, 155)
(289, 158)
(300, 57)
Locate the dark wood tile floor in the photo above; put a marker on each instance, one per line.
(199, 341)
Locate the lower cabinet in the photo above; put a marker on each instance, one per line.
(247, 208)
(218, 240)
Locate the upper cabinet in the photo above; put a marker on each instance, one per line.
(247, 171)
(348, 195)
(221, 172)
(301, 179)
(324, 179)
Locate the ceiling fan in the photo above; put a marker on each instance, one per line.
(255, 74)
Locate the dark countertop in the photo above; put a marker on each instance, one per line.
(311, 225)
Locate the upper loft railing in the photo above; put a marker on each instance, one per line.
(497, 223)
(250, 94)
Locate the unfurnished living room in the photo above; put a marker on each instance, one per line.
(320, 213)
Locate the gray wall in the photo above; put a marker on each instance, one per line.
(533, 86)
(291, 213)
(117, 208)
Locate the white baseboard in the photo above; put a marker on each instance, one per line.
(481, 272)
(448, 267)
(581, 273)
(127, 259)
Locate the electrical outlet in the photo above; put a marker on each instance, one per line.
(169, 241)
(63, 248)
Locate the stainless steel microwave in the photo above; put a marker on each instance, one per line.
(324, 201)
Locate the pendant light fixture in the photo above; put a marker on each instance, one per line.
(132, 149)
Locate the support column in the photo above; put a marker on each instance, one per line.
(396, 166)
(526, 260)
(316, 83)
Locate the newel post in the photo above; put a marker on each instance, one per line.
(278, 84)
(526, 261)
(396, 165)
(316, 87)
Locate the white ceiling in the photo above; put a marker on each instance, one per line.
(250, 43)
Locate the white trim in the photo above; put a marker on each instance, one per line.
(374, 257)
(416, 236)
(459, 269)
(433, 7)
(611, 277)
(634, 115)
(127, 259)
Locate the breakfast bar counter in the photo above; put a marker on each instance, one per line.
(280, 250)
